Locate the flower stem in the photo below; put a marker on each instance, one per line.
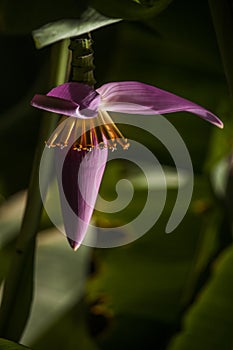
(18, 287)
(82, 60)
(222, 15)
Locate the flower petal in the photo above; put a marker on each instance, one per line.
(138, 98)
(81, 178)
(72, 91)
(71, 99)
(55, 105)
(81, 94)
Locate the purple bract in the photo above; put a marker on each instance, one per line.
(89, 132)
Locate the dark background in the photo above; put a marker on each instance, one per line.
(140, 295)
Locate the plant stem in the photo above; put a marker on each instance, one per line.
(82, 66)
(16, 300)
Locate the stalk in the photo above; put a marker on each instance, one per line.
(82, 60)
(18, 286)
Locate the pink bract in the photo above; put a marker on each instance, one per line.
(82, 170)
(81, 101)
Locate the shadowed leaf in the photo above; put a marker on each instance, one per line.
(208, 324)
(24, 16)
(9, 345)
(129, 9)
(66, 28)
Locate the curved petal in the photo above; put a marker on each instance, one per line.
(71, 91)
(65, 107)
(81, 94)
(71, 99)
(138, 98)
(56, 105)
(82, 174)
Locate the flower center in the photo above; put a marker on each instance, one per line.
(86, 134)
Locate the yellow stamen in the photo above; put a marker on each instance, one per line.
(66, 132)
(100, 132)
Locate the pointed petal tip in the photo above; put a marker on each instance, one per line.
(213, 119)
(221, 126)
(74, 245)
(218, 123)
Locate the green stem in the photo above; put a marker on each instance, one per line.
(82, 60)
(222, 15)
(15, 308)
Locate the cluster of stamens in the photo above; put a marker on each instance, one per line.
(86, 134)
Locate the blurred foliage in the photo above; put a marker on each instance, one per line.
(64, 29)
(130, 9)
(13, 13)
(209, 323)
(138, 294)
(36, 13)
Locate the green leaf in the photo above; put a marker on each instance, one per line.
(21, 17)
(146, 3)
(16, 304)
(66, 28)
(68, 332)
(9, 345)
(60, 281)
(209, 322)
(143, 282)
(130, 9)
